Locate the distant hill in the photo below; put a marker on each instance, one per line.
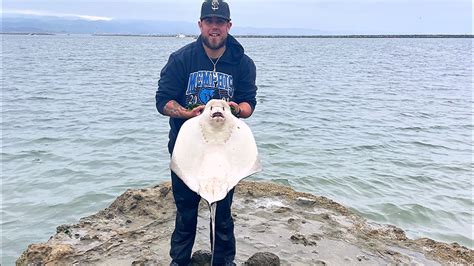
(50, 24)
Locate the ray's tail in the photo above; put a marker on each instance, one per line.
(212, 209)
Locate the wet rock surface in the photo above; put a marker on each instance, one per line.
(298, 228)
(263, 259)
(201, 258)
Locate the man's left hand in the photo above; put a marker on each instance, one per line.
(235, 108)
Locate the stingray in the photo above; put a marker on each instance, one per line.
(213, 152)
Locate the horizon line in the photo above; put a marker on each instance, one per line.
(180, 35)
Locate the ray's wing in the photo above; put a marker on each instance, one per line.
(188, 150)
(241, 150)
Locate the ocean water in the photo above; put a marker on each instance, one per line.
(383, 126)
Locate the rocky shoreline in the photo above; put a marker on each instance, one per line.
(302, 229)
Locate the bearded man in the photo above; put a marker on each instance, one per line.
(213, 67)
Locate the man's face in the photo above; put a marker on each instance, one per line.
(214, 31)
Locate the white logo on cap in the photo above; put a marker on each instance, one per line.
(215, 5)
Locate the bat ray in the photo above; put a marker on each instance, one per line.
(213, 152)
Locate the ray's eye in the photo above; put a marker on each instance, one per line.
(211, 108)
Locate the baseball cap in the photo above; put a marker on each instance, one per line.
(215, 8)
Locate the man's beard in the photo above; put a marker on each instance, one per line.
(211, 46)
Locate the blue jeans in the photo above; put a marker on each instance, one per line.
(182, 240)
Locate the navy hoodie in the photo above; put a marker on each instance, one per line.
(188, 79)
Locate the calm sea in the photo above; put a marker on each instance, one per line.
(383, 126)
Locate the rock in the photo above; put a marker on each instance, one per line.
(144, 262)
(201, 258)
(282, 210)
(391, 252)
(106, 238)
(40, 254)
(263, 259)
(301, 239)
(64, 229)
(316, 236)
(138, 197)
(305, 202)
(164, 191)
(325, 216)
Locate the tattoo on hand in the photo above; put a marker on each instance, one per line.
(174, 109)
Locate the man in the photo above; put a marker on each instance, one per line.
(212, 67)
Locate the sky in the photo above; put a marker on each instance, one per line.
(361, 16)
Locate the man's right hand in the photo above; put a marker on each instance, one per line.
(175, 110)
(197, 111)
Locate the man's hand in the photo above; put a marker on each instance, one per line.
(235, 108)
(242, 109)
(197, 111)
(175, 110)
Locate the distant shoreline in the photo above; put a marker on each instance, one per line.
(264, 36)
(358, 36)
(26, 33)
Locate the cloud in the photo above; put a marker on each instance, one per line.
(54, 14)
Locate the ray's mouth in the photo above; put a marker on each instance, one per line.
(217, 114)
